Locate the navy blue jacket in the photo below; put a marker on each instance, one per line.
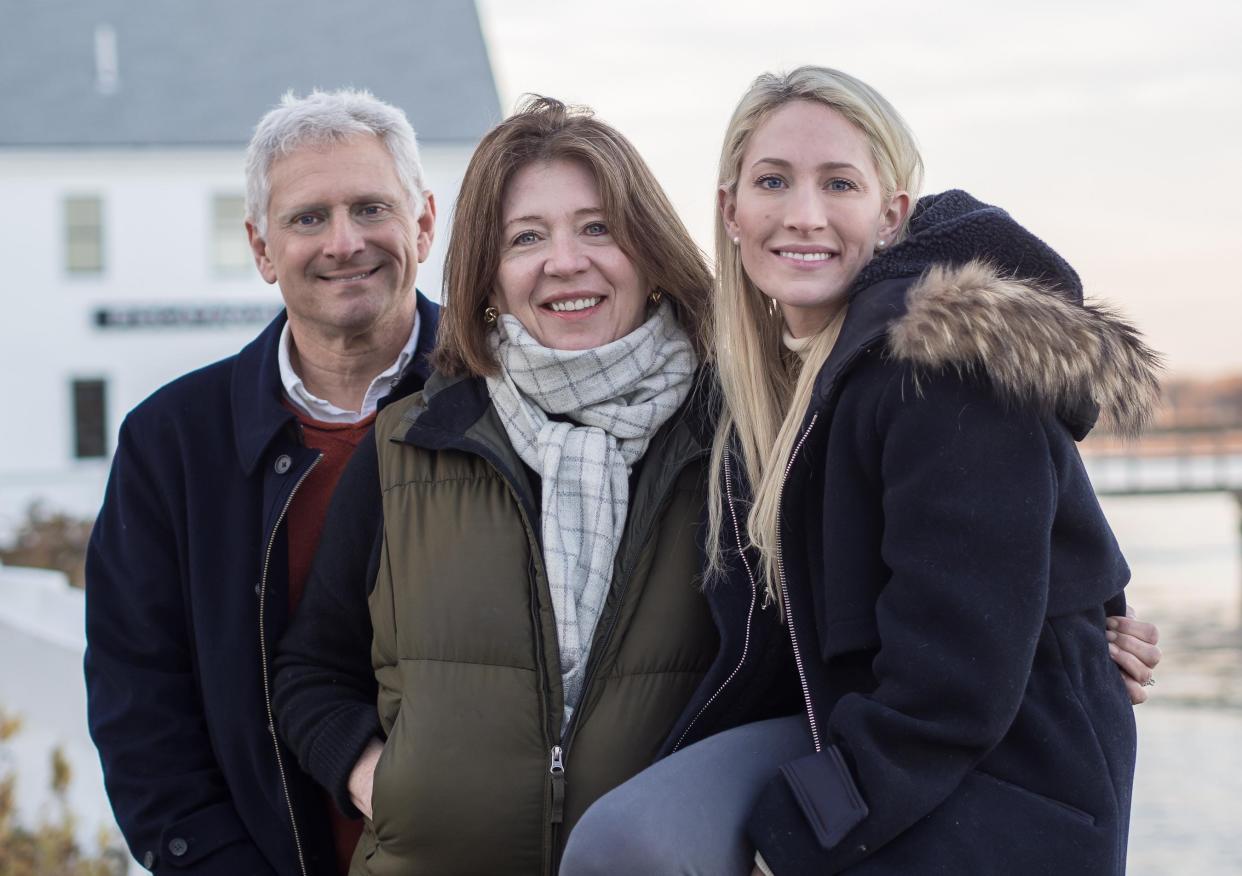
(186, 596)
(947, 571)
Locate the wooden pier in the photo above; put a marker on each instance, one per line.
(1169, 462)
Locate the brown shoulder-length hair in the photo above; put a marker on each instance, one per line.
(640, 218)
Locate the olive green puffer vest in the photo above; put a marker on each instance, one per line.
(475, 777)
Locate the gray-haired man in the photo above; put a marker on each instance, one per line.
(218, 492)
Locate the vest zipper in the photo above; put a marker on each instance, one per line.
(750, 614)
(557, 771)
(560, 752)
(780, 572)
(267, 686)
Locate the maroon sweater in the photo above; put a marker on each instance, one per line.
(337, 442)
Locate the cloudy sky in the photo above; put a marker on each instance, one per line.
(1112, 129)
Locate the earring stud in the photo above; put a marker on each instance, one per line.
(880, 244)
(736, 241)
(490, 315)
(655, 296)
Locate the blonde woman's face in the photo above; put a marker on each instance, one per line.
(808, 211)
(561, 272)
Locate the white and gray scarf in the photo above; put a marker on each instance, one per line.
(613, 400)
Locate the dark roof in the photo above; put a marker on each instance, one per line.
(202, 72)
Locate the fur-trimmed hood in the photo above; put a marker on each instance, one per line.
(970, 288)
(1034, 344)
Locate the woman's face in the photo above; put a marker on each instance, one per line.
(808, 211)
(561, 272)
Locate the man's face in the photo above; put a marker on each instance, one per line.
(342, 239)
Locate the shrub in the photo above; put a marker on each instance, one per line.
(50, 848)
(50, 540)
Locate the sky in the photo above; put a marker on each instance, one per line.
(1113, 130)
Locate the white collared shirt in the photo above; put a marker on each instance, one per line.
(324, 411)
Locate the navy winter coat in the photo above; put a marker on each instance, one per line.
(946, 569)
(186, 597)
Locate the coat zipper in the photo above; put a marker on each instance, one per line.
(267, 686)
(780, 571)
(750, 614)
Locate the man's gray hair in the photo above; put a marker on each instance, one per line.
(325, 117)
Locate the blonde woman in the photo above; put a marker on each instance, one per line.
(900, 527)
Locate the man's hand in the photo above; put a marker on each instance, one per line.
(362, 776)
(1132, 645)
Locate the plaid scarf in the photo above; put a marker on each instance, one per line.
(609, 403)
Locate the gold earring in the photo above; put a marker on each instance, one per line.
(490, 315)
(655, 296)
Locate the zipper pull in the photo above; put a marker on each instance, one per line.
(557, 769)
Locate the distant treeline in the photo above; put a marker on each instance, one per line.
(1190, 403)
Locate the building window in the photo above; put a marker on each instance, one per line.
(84, 235)
(90, 426)
(230, 251)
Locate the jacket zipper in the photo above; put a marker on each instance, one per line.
(557, 771)
(780, 571)
(750, 614)
(267, 686)
(560, 752)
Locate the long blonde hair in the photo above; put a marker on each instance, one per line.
(766, 389)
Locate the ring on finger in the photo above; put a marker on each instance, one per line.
(1148, 683)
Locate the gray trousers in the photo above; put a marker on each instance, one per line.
(687, 814)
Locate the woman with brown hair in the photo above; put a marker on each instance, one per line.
(524, 528)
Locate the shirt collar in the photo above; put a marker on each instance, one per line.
(325, 411)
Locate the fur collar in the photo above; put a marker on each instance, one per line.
(1035, 345)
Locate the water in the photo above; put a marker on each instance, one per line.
(1187, 563)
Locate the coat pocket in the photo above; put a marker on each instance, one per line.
(460, 786)
(385, 798)
(989, 825)
(1033, 796)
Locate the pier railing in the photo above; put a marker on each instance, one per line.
(1184, 460)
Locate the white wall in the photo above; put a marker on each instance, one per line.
(157, 240)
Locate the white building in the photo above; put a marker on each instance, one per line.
(122, 130)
